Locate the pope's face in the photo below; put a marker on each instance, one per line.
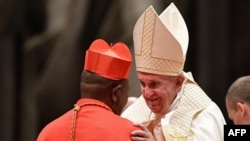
(159, 91)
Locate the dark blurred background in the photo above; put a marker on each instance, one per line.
(43, 42)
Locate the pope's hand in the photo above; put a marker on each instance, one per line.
(158, 133)
(142, 135)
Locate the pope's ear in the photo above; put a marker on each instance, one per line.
(116, 91)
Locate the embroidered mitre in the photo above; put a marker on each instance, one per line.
(160, 42)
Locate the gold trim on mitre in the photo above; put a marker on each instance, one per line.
(160, 42)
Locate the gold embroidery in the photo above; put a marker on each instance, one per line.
(178, 137)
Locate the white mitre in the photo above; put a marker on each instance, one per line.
(161, 42)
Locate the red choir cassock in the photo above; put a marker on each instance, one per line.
(94, 121)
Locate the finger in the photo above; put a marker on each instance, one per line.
(139, 133)
(158, 133)
(138, 139)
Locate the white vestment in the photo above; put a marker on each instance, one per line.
(191, 117)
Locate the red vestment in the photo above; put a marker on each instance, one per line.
(95, 121)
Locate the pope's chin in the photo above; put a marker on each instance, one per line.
(155, 109)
